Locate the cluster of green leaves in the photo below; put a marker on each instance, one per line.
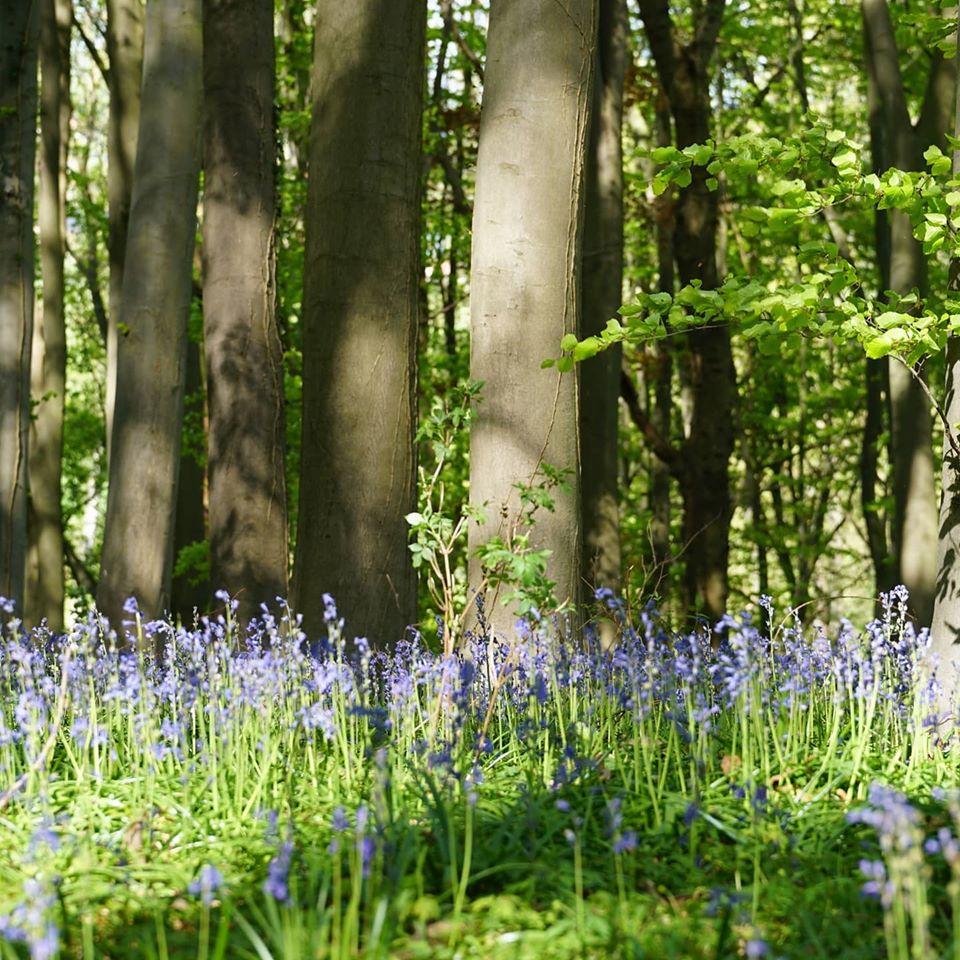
(828, 298)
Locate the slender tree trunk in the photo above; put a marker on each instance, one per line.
(662, 416)
(248, 501)
(144, 464)
(877, 415)
(125, 55)
(19, 25)
(914, 534)
(602, 297)
(358, 462)
(703, 473)
(877, 377)
(945, 629)
(527, 237)
(190, 525)
(45, 564)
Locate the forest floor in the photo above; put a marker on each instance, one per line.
(781, 797)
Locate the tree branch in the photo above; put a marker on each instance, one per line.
(708, 29)
(655, 440)
(92, 50)
(88, 267)
(84, 578)
(446, 9)
(659, 29)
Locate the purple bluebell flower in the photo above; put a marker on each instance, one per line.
(208, 882)
(626, 842)
(340, 822)
(755, 948)
(278, 873)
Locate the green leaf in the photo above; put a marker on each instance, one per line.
(568, 342)
(701, 154)
(846, 160)
(665, 154)
(586, 349)
(938, 163)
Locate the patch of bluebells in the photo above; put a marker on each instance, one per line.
(31, 920)
(326, 691)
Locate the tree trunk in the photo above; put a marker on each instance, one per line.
(248, 501)
(45, 564)
(19, 24)
(703, 473)
(144, 463)
(189, 593)
(662, 414)
(602, 298)
(914, 534)
(125, 55)
(358, 462)
(527, 236)
(945, 629)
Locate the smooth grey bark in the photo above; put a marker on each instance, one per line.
(945, 628)
(125, 56)
(525, 280)
(360, 313)
(245, 462)
(19, 26)
(914, 528)
(45, 559)
(602, 296)
(662, 413)
(151, 352)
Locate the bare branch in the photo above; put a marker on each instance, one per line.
(655, 440)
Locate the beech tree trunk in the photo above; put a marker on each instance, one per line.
(914, 528)
(702, 466)
(602, 298)
(360, 315)
(144, 462)
(248, 501)
(945, 629)
(662, 399)
(125, 55)
(527, 239)
(45, 563)
(19, 25)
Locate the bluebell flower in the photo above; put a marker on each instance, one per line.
(278, 873)
(755, 948)
(209, 881)
(626, 842)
